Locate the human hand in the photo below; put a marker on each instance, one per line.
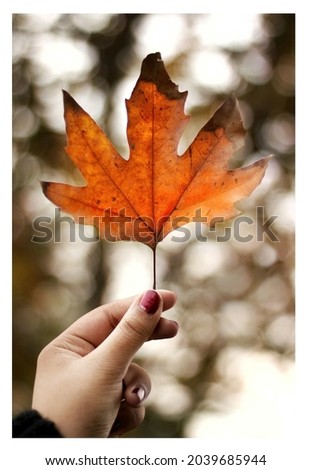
(85, 380)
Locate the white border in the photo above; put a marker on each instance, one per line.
(140, 6)
(286, 455)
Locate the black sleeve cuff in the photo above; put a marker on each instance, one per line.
(31, 424)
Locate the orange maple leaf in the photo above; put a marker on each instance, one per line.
(155, 191)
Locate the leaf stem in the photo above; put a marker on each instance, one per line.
(154, 261)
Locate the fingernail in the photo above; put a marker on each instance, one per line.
(150, 301)
(140, 392)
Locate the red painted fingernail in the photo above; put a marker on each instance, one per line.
(150, 301)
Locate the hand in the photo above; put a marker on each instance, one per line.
(85, 381)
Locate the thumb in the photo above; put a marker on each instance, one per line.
(136, 327)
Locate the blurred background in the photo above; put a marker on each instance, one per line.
(230, 370)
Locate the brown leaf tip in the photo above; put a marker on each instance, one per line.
(227, 117)
(153, 70)
(228, 113)
(44, 186)
(69, 102)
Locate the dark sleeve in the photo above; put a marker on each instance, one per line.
(31, 424)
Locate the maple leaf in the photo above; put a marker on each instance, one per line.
(155, 191)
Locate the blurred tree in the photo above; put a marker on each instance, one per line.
(235, 299)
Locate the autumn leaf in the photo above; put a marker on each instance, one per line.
(155, 191)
